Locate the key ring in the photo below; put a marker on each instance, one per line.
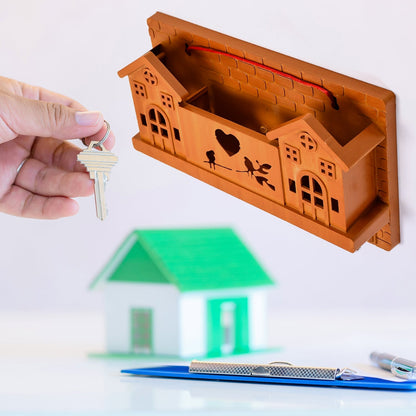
(101, 142)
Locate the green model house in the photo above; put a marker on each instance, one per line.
(185, 293)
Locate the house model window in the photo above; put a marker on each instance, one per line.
(140, 89)
(327, 168)
(292, 153)
(310, 146)
(307, 142)
(167, 100)
(149, 77)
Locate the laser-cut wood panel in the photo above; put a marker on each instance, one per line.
(228, 115)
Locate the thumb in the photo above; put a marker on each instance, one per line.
(22, 116)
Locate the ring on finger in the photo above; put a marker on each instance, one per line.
(19, 168)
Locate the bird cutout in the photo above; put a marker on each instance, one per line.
(228, 142)
(263, 168)
(211, 160)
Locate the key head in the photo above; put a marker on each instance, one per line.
(97, 161)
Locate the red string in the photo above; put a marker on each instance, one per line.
(267, 68)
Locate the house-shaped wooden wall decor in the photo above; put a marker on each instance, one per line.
(185, 293)
(308, 145)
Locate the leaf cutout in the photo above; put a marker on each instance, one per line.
(261, 180)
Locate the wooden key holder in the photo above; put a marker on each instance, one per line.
(308, 145)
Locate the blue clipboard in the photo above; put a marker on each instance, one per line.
(182, 371)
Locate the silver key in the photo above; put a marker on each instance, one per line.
(98, 164)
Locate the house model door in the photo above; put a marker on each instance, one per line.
(141, 331)
(227, 326)
(160, 127)
(313, 197)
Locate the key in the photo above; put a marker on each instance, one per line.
(98, 164)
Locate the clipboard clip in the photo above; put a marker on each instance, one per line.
(278, 369)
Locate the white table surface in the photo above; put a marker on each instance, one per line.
(45, 368)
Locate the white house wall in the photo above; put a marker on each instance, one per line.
(257, 319)
(163, 299)
(193, 325)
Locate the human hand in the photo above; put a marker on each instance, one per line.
(39, 172)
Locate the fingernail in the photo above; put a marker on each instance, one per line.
(87, 118)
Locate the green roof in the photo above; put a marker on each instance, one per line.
(191, 259)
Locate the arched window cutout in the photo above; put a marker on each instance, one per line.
(305, 182)
(159, 123)
(312, 195)
(316, 187)
(162, 120)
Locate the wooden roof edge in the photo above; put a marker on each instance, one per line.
(362, 144)
(131, 67)
(180, 91)
(149, 58)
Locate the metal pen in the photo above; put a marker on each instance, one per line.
(400, 367)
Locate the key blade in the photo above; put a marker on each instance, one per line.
(99, 194)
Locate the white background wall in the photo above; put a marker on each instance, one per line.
(76, 47)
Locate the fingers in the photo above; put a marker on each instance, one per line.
(53, 97)
(60, 154)
(22, 203)
(22, 116)
(40, 191)
(38, 93)
(38, 178)
(63, 154)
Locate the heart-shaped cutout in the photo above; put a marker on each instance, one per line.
(228, 142)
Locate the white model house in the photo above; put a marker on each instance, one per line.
(184, 293)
